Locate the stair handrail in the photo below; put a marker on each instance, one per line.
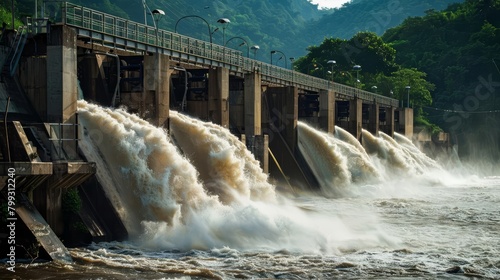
(19, 42)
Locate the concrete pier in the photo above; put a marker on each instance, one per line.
(404, 124)
(282, 110)
(388, 127)
(157, 84)
(327, 111)
(253, 104)
(218, 96)
(62, 87)
(355, 117)
(373, 118)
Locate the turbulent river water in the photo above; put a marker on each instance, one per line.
(197, 206)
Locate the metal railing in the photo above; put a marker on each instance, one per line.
(100, 22)
(64, 140)
(14, 49)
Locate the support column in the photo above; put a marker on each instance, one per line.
(406, 118)
(218, 96)
(283, 118)
(374, 122)
(327, 110)
(256, 142)
(355, 117)
(259, 147)
(265, 155)
(157, 81)
(389, 121)
(290, 115)
(253, 104)
(62, 88)
(283, 113)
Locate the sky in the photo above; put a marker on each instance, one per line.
(329, 3)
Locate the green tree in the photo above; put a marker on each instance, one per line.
(420, 88)
(365, 49)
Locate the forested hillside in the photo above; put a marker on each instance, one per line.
(374, 16)
(459, 49)
(286, 25)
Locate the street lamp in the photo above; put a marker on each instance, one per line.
(195, 16)
(284, 56)
(255, 48)
(357, 68)
(292, 59)
(146, 8)
(408, 96)
(374, 88)
(143, 7)
(317, 68)
(332, 62)
(224, 22)
(244, 43)
(157, 15)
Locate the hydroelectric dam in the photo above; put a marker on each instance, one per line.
(161, 78)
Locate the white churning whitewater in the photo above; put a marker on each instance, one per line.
(206, 192)
(224, 163)
(401, 155)
(336, 163)
(146, 176)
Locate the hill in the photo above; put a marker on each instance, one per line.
(286, 25)
(459, 49)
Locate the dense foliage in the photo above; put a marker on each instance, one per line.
(459, 49)
(378, 72)
(375, 16)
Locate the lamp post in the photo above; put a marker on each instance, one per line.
(292, 59)
(255, 48)
(374, 88)
(157, 15)
(195, 16)
(408, 96)
(315, 64)
(143, 8)
(357, 68)
(224, 22)
(146, 8)
(284, 56)
(332, 62)
(244, 43)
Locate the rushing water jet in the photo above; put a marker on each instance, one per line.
(335, 162)
(225, 165)
(207, 192)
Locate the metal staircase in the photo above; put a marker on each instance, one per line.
(16, 49)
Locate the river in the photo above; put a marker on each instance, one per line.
(197, 206)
